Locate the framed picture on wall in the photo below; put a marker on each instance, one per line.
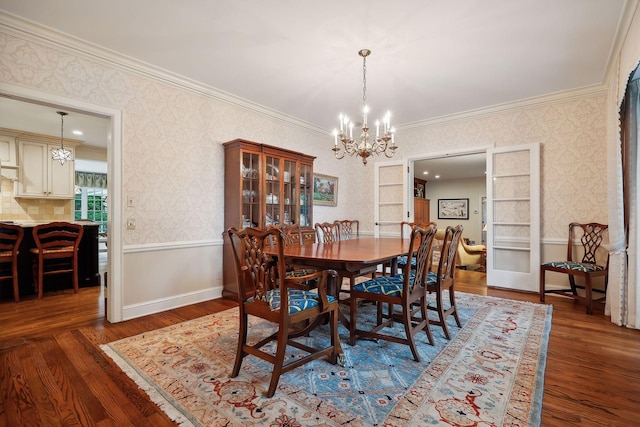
(325, 190)
(453, 208)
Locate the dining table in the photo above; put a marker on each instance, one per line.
(348, 257)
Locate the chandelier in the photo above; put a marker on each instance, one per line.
(366, 145)
(61, 154)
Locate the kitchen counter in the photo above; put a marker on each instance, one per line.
(88, 273)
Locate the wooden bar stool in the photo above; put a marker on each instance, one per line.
(10, 238)
(56, 252)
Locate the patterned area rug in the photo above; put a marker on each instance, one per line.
(490, 374)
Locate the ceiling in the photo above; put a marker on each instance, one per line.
(429, 59)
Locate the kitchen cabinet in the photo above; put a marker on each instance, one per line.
(41, 177)
(264, 186)
(8, 154)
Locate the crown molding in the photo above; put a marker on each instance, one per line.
(584, 92)
(37, 33)
(624, 23)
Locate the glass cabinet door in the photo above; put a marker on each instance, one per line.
(289, 193)
(273, 193)
(306, 193)
(250, 190)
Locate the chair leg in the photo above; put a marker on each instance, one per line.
(452, 303)
(281, 348)
(353, 304)
(542, 272)
(408, 330)
(242, 341)
(16, 290)
(425, 315)
(337, 355)
(441, 315)
(588, 297)
(75, 272)
(572, 282)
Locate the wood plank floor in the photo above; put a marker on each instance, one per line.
(52, 371)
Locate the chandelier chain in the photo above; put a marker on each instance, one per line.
(364, 81)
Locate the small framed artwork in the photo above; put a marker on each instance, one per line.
(453, 208)
(325, 190)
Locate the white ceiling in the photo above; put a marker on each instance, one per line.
(429, 58)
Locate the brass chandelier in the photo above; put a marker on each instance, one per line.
(366, 145)
(61, 154)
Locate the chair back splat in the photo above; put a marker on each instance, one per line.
(327, 232)
(267, 292)
(406, 290)
(56, 252)
(591, 265)
(349, 229)
(10, 238)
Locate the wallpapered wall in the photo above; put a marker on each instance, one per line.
(172, 153)
(173, 159)
(571, 132)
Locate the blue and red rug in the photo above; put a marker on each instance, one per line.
(490, 374)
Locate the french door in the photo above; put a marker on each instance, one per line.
(513, 211)
(389, 199)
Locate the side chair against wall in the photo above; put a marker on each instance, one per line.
(405, 290)
(56, 252)
(591, 265)
(443, 279)
(349, 229)
(327, 232)
(10, 238)
(266, 292)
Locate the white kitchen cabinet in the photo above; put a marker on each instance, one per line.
(8, 155)
(43, 178)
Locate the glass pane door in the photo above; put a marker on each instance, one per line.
(513, 229)
(306, 188)
(290, 193)
(250, 190)
(273, 194)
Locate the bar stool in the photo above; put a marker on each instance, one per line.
(10, 238)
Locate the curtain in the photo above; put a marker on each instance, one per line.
(630, 129)
(91, 179)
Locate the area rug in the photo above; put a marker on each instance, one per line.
(489, 374)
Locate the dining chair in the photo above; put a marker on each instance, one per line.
(591, 265)
(56, 252)
(267, 293)
(10, 238)
(406, 229)
(327, 232)
(443, 279)
(405, 290)
(349, 229)
(291, 236)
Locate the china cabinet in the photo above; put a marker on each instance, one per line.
(264, 186)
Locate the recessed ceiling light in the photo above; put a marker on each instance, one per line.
(437, 176)
(77, 132)
(425, 173)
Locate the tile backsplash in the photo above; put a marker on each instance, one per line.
(32, 209)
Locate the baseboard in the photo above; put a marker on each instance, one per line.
(156, 306)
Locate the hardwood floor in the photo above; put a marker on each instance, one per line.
(52, 371)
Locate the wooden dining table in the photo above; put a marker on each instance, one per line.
(347, 257)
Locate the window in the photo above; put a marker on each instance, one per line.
(91, 204)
